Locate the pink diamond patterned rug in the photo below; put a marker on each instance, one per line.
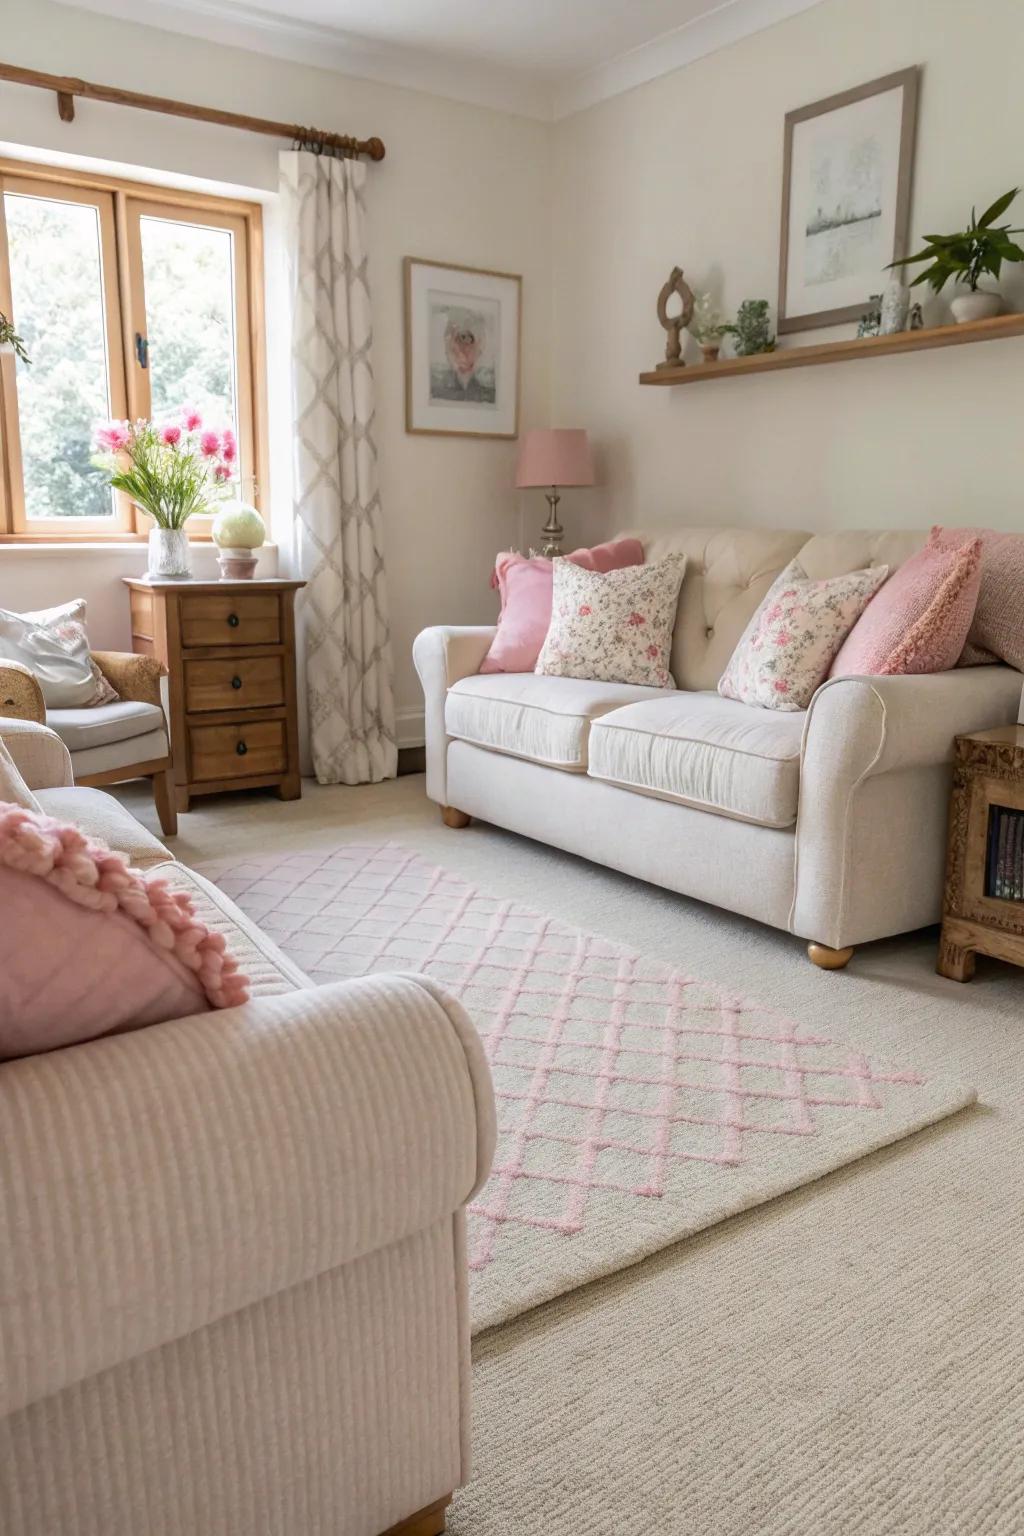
(637, 1104)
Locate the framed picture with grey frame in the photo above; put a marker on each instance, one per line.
(846, 184)
(462, 328)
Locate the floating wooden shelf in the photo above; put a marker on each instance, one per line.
(841, 351)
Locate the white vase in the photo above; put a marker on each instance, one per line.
(975, 306)
(169, 554)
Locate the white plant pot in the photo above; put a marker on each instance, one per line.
(975, 306)
(170, 557)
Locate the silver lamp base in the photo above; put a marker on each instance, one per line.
(552, 534)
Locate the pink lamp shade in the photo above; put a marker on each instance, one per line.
(554, 456)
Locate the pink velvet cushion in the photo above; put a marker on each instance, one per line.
(919, 620)
(525, 587)
(90, 947)
(997, 631)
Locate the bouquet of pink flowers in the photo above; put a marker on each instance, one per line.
(170, 469)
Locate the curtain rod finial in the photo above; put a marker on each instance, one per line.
(375, 149)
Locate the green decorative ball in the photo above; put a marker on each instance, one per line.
(238, 527)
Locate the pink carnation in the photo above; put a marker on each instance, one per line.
(193, 420)
(221, 473)
(229, 448)
(114, 437)
(209, 444)
(170, 435)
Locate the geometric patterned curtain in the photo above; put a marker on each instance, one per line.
(343, 612)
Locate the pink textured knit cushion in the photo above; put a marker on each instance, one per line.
(919, 620)
(90, 947)
(997, 631)
(525, 587)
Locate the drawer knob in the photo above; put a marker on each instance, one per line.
(236, 682)
(241, 749)
(233, 620)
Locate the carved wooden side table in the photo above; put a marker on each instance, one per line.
(229, 650)
(983, 911)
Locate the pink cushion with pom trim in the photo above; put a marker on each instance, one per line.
(91, 947)
(919, 621)
(526, 585)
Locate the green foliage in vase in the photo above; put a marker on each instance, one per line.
(968, 255)
(171, 470)
(751, 329)
(706, 322)
(10, 338)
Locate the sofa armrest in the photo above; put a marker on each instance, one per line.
(443, 655)
(153, 1182)
(21, 697)
(857, 730)
(39, 755)
(133, 677)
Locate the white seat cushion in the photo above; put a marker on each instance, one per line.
(82, 729)
(544, 719)
(705, 751)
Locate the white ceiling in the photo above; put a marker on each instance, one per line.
(544, 58)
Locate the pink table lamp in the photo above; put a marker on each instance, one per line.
(553, 457)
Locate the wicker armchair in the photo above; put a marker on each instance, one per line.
(108, 743)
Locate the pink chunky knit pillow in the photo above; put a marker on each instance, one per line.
(90, 947)
(919, 621)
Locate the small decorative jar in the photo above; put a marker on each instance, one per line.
(170, 558)
(895, 307)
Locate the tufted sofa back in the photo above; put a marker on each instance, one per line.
(729, 570)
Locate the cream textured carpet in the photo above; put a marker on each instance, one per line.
(637, 1103)
(846, 1360)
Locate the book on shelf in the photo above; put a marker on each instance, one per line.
(1004, 864)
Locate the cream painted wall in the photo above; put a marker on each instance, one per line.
(459, 184)
(687, 169)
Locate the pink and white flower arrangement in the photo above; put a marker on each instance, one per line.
(170, 469)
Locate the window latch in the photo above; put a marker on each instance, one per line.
(142, 350)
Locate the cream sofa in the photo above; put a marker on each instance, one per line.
(828, 823)
(232, 1263)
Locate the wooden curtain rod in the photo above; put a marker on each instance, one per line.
(67, 88)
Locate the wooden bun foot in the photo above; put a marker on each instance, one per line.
(453, 818)
(829, 959)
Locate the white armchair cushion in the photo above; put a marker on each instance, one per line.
(54, 645)
(83, 729)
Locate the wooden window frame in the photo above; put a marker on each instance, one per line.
(123, 204)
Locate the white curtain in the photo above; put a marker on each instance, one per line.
(344, 629)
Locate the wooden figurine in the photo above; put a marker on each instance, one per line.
(674, 324)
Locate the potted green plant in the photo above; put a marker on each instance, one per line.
(967, 257)
(170, 470)
(751, 330)
(10, 341)
(706, 327)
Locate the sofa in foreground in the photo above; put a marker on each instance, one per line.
(233, 1282)
(829, 823)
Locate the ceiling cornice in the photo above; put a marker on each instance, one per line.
(304, 42)
(482, 85)
(727, 24)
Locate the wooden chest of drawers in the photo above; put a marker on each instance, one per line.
(229, 650)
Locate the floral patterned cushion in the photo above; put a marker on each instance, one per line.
(790, 643)
(613, 627)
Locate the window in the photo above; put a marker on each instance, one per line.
(132, 301)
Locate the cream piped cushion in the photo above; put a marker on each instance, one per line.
(613, 626)
(790, 643)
